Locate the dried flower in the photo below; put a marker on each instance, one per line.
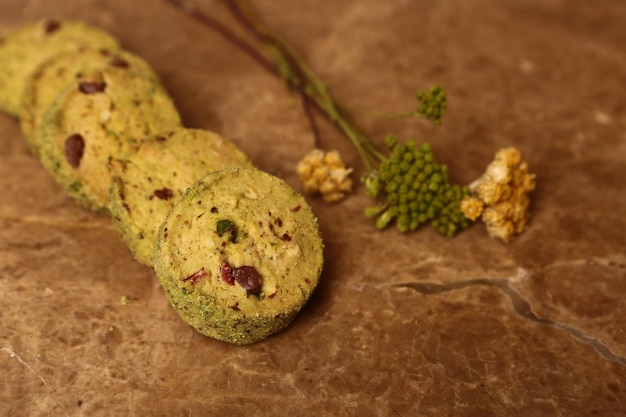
(325, 173)
(472, 207)
(501, 195)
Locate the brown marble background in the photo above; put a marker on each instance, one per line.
(402, 325)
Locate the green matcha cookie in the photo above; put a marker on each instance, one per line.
(22, 51)
(58, 72)
(101, 116)
(239, 255)
(146, 184)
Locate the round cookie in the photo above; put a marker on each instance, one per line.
(154, 175)
(55, 74)
(98, 117)
(239, 255)
(22, 51)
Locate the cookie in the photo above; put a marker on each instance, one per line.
(55, 74)
(98, 117)
(239, 255)
(22, 51)
(147, 183)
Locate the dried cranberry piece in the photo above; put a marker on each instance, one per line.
(249, 279)
(92, 87)
(164, 194)
(226, 274)
(74, 149)
(195, 277)
(52, 26)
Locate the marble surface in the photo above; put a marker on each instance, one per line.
(400, 325)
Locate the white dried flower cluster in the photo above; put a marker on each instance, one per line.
(501, 195)
(325, 173)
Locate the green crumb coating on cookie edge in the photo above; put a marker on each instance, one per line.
(277, 234)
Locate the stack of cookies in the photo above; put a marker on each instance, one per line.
(237, 250)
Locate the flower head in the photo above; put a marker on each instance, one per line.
(501, 195)
(325, 173)
(432, 104)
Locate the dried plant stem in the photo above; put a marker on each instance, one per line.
(297, 72)
(292, 68)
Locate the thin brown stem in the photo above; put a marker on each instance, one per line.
(289, 66)
(226, 33)
(308, 111)
(296, 85)
(293, 75)
(301, 76)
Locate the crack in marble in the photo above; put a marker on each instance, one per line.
(615, 264)
(521, 306)
(615, 261)
(32, 246)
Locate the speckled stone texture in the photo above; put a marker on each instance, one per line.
(401, 325)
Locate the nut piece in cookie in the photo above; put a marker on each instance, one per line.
(239, 255)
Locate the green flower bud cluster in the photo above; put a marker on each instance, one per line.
(417, 191)
(432, 104)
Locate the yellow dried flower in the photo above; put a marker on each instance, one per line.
(325, 173)
(501, 195)
(472, 207)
